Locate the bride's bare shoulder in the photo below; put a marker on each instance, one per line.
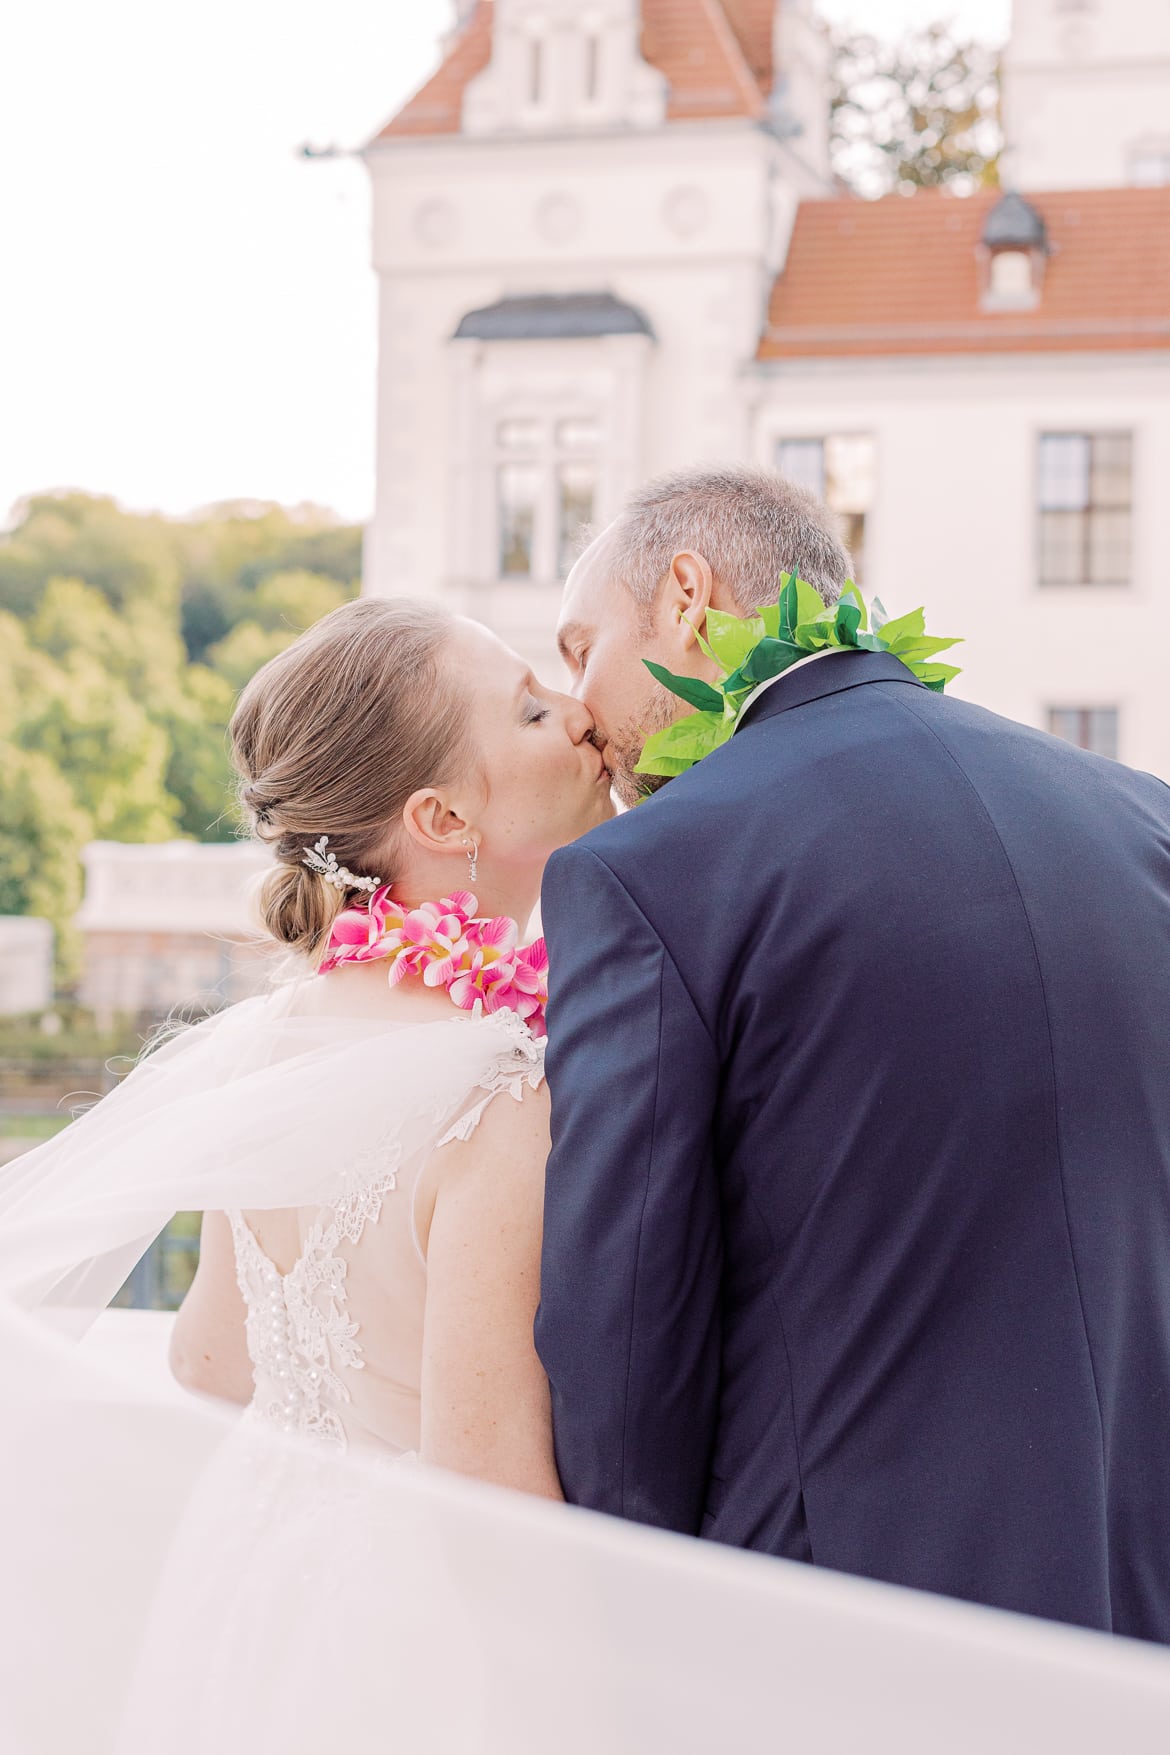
(361, 990)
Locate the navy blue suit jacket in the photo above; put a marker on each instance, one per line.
(857, 1241)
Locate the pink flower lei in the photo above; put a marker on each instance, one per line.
(477, 961)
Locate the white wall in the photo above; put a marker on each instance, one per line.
(955, 523)
(1083, 90)
(26, 965)
(689, 224)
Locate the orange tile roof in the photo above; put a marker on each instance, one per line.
(901, 276)
(436, 107)
(716, 56)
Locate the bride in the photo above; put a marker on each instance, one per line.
(430, 760)
(366, 1142)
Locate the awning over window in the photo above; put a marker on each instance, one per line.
(553, 317)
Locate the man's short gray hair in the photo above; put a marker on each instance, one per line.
(750, 525)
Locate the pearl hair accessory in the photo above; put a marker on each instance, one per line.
(339, 876)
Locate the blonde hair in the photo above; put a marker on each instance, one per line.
(331, 738)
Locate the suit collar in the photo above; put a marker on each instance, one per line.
(845, 670)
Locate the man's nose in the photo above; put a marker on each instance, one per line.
(578, 719)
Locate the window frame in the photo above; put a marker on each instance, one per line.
(858, 550)
(1086, 714)
(1094, 514)
(547, 455)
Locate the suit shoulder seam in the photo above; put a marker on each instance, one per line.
(657, 936)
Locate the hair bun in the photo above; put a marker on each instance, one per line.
(297, 908)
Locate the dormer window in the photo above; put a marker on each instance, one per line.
(1149, 165)
(1012, 256)
(1010, 277)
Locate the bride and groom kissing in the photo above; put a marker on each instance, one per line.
(833, 1219)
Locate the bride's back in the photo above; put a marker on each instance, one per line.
(335, 1286)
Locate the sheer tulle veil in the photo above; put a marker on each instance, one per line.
(175, 1577)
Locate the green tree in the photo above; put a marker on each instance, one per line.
(113, 757)
(130, 558)
(42, 833)
(919, 113)
(283, 606)
(111, 724)
(199, 772)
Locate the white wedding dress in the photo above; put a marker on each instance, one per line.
(287, 1582)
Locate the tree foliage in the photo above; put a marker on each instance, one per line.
(124, 640)
(919, 113)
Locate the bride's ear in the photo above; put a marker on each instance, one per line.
(687, 597)
(431, 823)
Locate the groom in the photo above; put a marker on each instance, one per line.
(858, 1221)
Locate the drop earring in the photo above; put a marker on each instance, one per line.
(473, 862)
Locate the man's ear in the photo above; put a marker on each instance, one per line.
(686, 598)
(432, 823)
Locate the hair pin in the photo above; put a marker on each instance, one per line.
(339, 876)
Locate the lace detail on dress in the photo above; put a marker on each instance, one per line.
(300, 1334)
(520, 1062)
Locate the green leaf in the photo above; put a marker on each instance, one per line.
(852, 596)
(911, 627)
(770, 658)
(732, 637)
(847, 622)
(809, 602)
(788, 606)
(924, 648)
(685, 742)
(770, 616)
(814, 636)
(935, 676)
(878, 615)
(691, 689)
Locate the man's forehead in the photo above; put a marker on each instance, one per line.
(584, 592)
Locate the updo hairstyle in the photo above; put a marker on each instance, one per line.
(332, 737)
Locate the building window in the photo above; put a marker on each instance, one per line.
(1150, 165)
(1090, 728)
(841, 470)
(576, 486)
(1086, 506)
(519, 485)
(592, 68)
(546, 490)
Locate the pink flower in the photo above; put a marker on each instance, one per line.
(476, 960)
(358, 935)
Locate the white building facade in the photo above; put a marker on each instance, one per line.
(608, 245)
(171, 926)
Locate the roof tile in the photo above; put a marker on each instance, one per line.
(716, 56)
(901, 276)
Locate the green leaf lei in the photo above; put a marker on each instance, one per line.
(753, 649)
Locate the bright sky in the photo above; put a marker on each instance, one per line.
(186, 307)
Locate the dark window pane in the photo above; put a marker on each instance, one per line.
(1109, 548)
(850, 467)
(1064, 472)
(1111, 481)
(853, 536)
(803, 461)
(1090, 728)
(575, 490)
(517, 487)
(1062, 548)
